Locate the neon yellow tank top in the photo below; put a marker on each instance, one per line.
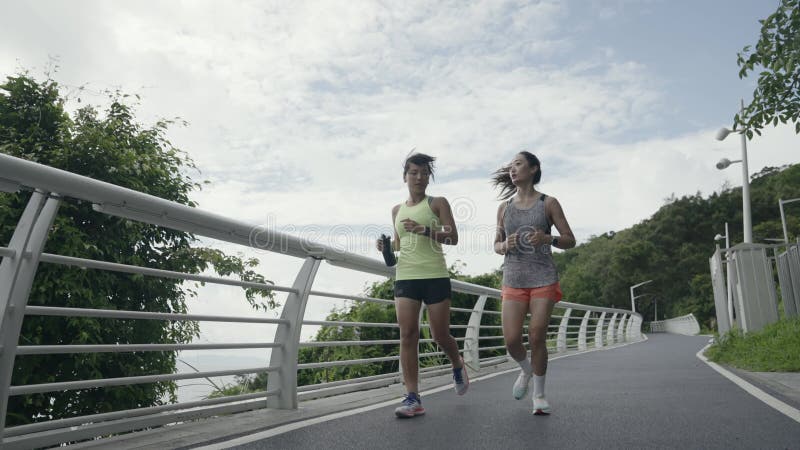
(420, 256)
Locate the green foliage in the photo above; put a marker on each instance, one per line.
(115, 148)
(378, 313)
(776, 348)
(777, 56)
(242, 384)
(357, 312)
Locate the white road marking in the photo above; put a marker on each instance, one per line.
(782, 407)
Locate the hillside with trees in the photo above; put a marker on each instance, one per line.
(672, 248)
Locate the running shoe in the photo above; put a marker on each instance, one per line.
(412, 406)
(540, 406)
(461, 379)
(521, 385)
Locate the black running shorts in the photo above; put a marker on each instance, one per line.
(427, 290)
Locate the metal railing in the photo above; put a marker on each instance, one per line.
(574, 327)
(677, 325)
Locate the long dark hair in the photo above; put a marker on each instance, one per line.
(502, 178)
(420, 159)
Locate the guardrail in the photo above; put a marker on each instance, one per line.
(573, 327)
(745, 287)
(678, 325)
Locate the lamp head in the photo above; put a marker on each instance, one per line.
(718, 237)
(722, 133)
(723, 163)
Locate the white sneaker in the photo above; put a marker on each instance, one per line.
(540, 406)
(521, 385)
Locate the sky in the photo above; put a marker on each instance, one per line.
(300, 113)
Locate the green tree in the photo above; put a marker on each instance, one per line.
(115, 148)
(777, 56)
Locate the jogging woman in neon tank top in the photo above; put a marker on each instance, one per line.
(422, 224)
(530, 280)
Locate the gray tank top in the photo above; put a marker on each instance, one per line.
(527, 266)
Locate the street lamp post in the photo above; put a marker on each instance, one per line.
(655, 309)
(726, 237)
(729, 269)
(724, 163)
(783, 217)
(633, 304)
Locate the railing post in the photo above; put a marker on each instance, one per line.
(16, 278)
(561, 341)
(598, 331)
(471, 351)
(621, 328)
(610, 331)
(285, 357)
(582, 332)
(629, 328)
(636, 327)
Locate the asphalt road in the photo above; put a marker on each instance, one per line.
(655, 394)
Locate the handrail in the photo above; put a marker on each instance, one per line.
(678, 325)
(130, 204)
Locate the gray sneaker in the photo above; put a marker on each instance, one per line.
(412, 406)
(461, 379)
(521, 385)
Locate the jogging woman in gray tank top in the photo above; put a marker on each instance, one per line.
(530, 279)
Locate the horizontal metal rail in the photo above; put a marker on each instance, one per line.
(350, 362)
(329, 384)
(323, 344)
(313, 344)
(106, 382)
(350, 324)
(118, 314)
(356, 362)
(121, 348)
(125, 268)
(496, 347)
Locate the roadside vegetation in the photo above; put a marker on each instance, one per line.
(776, 348)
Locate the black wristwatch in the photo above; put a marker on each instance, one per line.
(554, 242)
(427, 232)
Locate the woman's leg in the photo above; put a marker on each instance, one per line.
(439, 320)
(540, 309)
(513, 317)
(408, 319)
